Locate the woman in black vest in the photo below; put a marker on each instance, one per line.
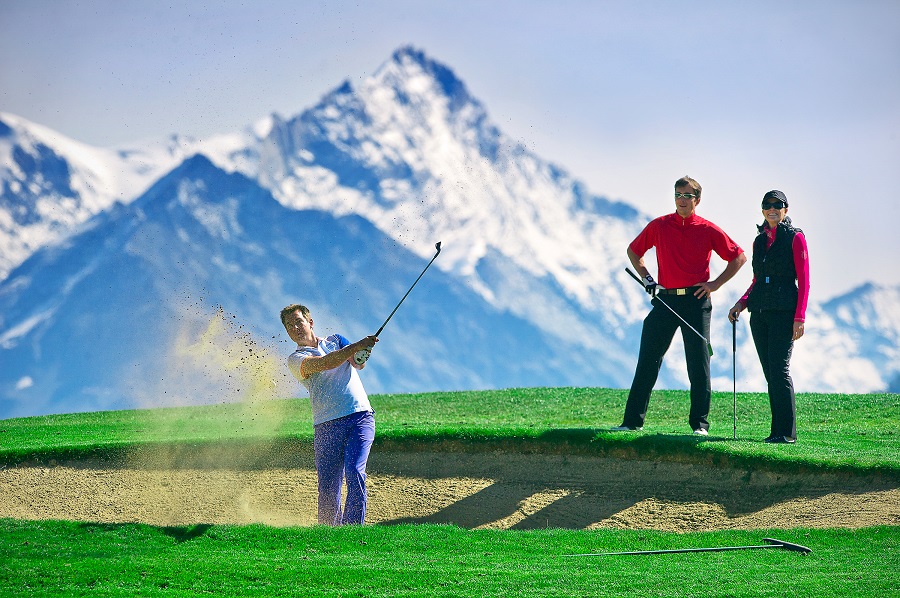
(777, 300)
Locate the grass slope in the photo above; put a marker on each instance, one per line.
(856, 433)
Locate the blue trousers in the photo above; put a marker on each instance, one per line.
(342, 449)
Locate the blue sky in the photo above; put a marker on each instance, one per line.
(803, 96)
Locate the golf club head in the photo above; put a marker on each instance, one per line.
(438, 247)
(788, 545)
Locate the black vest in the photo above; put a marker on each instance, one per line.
(776, 277)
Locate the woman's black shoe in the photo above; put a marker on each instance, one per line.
(780, 440)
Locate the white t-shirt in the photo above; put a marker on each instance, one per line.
(334, 393)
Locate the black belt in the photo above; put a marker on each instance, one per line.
(684, 291)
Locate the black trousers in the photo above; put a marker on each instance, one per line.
(773, 335)
(656, 337)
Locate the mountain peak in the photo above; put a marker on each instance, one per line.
(408, 60)
(406, 54)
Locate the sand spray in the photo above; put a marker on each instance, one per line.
(214, 359)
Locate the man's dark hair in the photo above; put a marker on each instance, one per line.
(687, 181)
(289, 311)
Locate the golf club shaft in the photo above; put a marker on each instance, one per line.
(361, 356)
(669, 307)
(734, 374)
(772, 543)
(678, 550)
(438, 247)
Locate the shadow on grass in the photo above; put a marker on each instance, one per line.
(185, 533)
(182, 533)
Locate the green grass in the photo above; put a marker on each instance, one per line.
(856, 433)
(84, 559)
(851, 433)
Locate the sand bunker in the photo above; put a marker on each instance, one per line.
(472, 490)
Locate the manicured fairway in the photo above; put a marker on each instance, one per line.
(84, 559)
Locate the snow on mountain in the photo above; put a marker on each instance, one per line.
(417, 155)
(51, 184)
(868, 317)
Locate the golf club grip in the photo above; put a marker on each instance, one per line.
(669, 307)
(634, 276)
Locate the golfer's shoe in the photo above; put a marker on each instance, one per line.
(701, 432)
(626, 429)
(780, 440)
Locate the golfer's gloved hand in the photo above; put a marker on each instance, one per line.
(650, 285)
(361, 356)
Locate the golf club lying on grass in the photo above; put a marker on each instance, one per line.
(772, 543)
(361, 356)
(708, 345)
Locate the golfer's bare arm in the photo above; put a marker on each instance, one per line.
(315, 364)
(638, 263)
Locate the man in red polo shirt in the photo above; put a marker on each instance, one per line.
(684, 244)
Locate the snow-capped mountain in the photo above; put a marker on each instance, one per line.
(410, 157)
(868, 317)
(50, 184)
(415, 153)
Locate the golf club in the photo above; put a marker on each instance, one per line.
(361, 356)
(734, 371)
(708, 345)
(772, 543)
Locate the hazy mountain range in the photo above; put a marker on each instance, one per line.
(153, 274)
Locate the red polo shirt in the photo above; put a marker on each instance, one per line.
(684, 247)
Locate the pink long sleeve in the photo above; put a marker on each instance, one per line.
(801, 264)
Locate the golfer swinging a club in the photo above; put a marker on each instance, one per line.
(343, 419)
(684, 243)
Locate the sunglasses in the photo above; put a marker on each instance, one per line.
(685, 195)
(776, 205)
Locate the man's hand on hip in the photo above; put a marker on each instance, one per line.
(705, 289)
